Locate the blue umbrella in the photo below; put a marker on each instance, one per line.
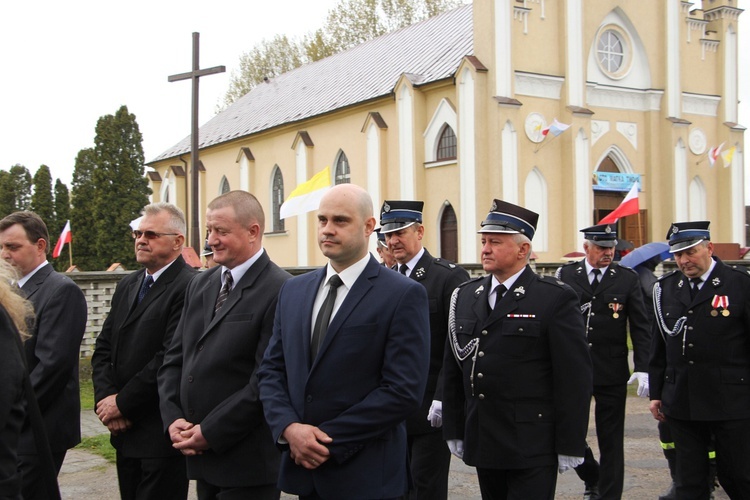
(646, 252)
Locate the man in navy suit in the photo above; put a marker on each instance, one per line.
(208, 386)
(146, 308)
(336, 397)
(52, 352)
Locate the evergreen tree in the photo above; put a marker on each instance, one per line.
(15, 190)
(62, 215)
(7, 195)
(349, 23)
(82, 218)
(42, 203)
(121, 188)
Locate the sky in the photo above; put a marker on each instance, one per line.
(65, 64)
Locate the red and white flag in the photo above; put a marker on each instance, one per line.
(713, 154)
(65, 237)
(629, 206)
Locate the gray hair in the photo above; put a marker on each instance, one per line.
(176, 216)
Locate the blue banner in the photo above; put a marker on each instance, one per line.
(615, 181)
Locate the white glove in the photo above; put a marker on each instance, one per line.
(457, 447)
(435, 415)
(565, 462)
(642, 383)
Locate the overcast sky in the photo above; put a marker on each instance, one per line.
(65, 64)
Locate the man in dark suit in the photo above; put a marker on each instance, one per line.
(208, 386)
(130, 349)
(52, 352)
(699, 370)
(611, 304)
(429, 456)
(336, 397)
(517, 376)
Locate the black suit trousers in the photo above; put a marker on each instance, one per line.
(159, 478)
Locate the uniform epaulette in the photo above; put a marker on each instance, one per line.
(472, 280)
(571, 263)
(663, 276)
(446, 263)
(550, 280)
(740, 269)
(626, 268)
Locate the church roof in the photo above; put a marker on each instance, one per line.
(425, 52)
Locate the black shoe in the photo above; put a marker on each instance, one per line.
(670, 494)
(591, 492)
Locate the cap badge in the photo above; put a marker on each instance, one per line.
(386, 207)
(675, 229)
(608, 229)
(494, 207)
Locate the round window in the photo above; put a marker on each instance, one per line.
(612, 52)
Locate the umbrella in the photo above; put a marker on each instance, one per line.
(624, 245)
(646, 252)
(573, 256)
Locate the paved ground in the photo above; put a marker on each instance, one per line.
(88, 477)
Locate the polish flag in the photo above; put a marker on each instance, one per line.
(65, 237)
(555, 128)
(629, 206)
(713, 154)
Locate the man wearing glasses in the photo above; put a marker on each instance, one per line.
(146, 308)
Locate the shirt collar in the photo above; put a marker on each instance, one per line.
(508, 283)
(239, 271)
(350, 274)
(414, 261)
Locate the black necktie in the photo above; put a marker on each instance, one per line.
(499, 292)
(145, 287)
(224, 292)
(694, 282)
(324, 316)
(595, 281)
(402, 269)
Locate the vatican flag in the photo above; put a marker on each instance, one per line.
(306, 197)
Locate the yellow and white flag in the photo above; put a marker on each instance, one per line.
(306, 197)
(728, 155)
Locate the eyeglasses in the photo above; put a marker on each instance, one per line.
(150, 235)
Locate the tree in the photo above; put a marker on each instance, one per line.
(121, 188)
(15, 190)
(41, 200)
(62, 215)
(7, 194)
(350, 23)
(82, 219)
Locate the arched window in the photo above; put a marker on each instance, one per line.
(224, 185)
(446, 149)
(342, 175)
(277, 198)
(449, 233)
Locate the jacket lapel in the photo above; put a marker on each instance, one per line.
(157, 289)
(512, 298)
(422, 267)
(36, 281)
(481, 292)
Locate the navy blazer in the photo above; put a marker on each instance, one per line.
(370, 374)
(129, 351)
(209, 375)
(52, 355)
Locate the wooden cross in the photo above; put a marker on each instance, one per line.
(195, 233)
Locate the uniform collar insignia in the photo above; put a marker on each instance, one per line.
(451, 265)
(479, 291)
(420, 272)
(612, 271)
(520, 291)
(716, 281)
(679, 284)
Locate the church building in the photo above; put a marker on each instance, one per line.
(560, 106)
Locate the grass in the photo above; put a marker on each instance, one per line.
(98, 445)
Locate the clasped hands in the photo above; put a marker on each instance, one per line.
(110, 415)
(187, 437)
(307, 445)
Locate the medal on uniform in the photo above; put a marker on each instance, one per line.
(720, 301)
(615, 309)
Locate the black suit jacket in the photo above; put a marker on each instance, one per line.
(440, 277)
(209, 375)
(619, 294)
(703, 372)
(521, 396)
(129, 351)
(52, 355)
(12, 406)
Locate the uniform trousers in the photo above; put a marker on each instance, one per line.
(609, 415)
(430, 462)
(518, 484)
(32, 474)
(732, 443)
(160, 478)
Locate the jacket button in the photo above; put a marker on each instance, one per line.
(309, 399)
(593, 314)
(480, 375)
(190, 378)
(691, 362)
(484, 332)
(690, 328)
(481, 354)
(520, 329)
(690, 345)
(481, 396)
(590, 344)
(539, 416)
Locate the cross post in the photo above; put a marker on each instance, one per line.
(195, 233)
